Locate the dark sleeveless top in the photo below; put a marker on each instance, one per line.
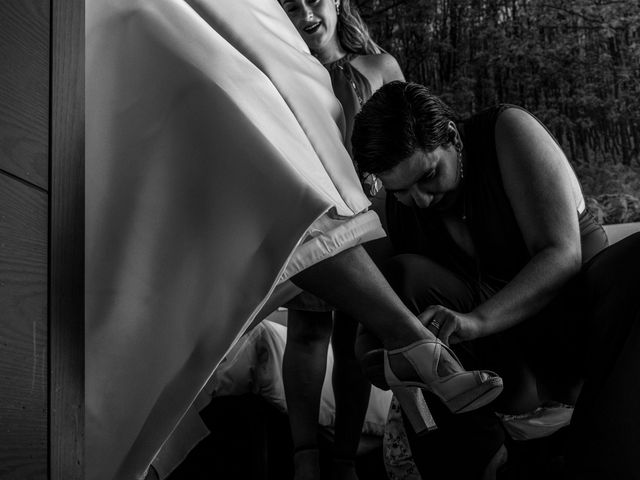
(500, 249)
(350, 87)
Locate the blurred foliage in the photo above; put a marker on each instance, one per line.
(575, 65)
(612, 191)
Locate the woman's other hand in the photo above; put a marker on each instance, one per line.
(450, 326)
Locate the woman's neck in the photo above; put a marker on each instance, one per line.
(330, 53)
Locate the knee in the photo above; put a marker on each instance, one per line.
(616, 268)
(629, 255)
(309, 330)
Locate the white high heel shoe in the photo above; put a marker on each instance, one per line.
(461, 391)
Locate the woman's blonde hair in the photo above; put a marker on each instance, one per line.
(353, 33)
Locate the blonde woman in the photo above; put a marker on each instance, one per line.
(339, 39)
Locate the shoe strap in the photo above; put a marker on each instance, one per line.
(451, 352)
(406, 352)
(407, 348)
(389, 375)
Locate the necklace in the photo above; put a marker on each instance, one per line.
(343, 64)
(349, 76)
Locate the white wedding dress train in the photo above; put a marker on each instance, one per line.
(215, 170)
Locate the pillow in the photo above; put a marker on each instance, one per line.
(254, 365)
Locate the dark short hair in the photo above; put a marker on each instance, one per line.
(397, 120)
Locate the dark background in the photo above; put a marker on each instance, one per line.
(575, 65)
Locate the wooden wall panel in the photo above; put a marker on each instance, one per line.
(66, 287)
(24, 89)
(23, 331)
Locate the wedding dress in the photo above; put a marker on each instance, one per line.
(215, 171)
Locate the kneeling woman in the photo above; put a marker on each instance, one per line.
(499, 255)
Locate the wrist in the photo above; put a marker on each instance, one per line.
(482, 324)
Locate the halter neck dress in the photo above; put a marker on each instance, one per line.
(351, 87)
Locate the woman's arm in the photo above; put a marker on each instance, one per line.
(542, 190)
(539, 185)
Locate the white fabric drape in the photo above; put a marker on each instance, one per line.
(213, 149)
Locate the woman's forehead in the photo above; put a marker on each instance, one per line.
(409, 170)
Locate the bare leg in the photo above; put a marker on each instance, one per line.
(351, 391)
(353, 284)
(303, 371)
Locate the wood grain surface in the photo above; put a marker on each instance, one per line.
(66, 287)
(23, 331)
(24, 89)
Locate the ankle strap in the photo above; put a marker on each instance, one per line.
(305, 448)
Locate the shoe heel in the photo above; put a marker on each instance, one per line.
(415, 408)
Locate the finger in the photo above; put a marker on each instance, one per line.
(439, 318)
(427, 315)
(447, 328)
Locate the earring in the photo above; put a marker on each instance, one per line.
(460, 175)
(337, 7)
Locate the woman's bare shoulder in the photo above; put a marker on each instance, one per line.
(384, 66)
(515, 124)
(512, 115)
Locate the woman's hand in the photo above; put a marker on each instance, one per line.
(450, 326)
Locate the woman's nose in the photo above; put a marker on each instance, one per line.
(307, 13)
